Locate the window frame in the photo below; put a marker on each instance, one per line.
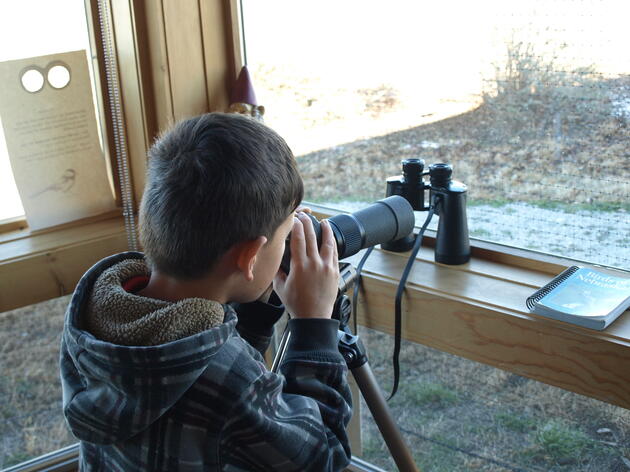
(153, 97)
(65, 459)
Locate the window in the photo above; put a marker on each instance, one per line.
(32, 422)
(36, 28)
(529, 102)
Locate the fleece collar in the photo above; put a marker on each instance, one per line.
(120, 316)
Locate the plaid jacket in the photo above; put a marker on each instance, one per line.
(205, 402)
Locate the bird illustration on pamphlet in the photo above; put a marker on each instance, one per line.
(63, 184)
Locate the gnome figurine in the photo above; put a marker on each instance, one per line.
(243, 99)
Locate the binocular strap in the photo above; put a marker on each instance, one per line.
(398, 302)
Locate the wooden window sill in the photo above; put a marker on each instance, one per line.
(37, 266)
(477, 311)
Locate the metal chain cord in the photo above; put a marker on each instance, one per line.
(113, 87)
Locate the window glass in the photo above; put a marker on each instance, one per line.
(456, 414)
(30, 28)
(31, 419)
(528, 101)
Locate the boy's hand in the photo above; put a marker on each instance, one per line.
(310, 289)
(267, 293)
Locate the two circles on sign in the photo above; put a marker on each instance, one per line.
(56, 74)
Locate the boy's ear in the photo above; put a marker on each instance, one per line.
(246, 253)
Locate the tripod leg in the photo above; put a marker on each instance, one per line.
(382, 415)
(353, 352)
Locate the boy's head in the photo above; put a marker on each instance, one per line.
(214, 181)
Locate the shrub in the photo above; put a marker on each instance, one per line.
(533, 96)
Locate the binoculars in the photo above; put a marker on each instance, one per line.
(447, 199)
(390, 222)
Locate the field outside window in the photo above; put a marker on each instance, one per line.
(529, 102)
(460, 415)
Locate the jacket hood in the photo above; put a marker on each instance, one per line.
(112, 392)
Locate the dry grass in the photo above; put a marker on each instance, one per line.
(576, 163)
(348, 141)
(31, 422)
(590, 170)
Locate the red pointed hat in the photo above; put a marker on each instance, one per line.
(243, 90)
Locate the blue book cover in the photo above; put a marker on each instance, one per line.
(583, 296)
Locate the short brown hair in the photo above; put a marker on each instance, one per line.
(213, 181)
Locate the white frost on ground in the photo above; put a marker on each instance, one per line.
(621, 102)
(594, 237)
(622, 107)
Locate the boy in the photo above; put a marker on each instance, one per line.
(161, 352)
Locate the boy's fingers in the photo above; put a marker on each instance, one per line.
(329, 248)
(298, 245)
(304, 209)
(309, 235)
(335, 249)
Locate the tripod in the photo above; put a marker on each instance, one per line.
(354, 353)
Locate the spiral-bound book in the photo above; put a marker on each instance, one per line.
(583, 296)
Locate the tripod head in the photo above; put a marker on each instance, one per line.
(350, 346)
(342, 310)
